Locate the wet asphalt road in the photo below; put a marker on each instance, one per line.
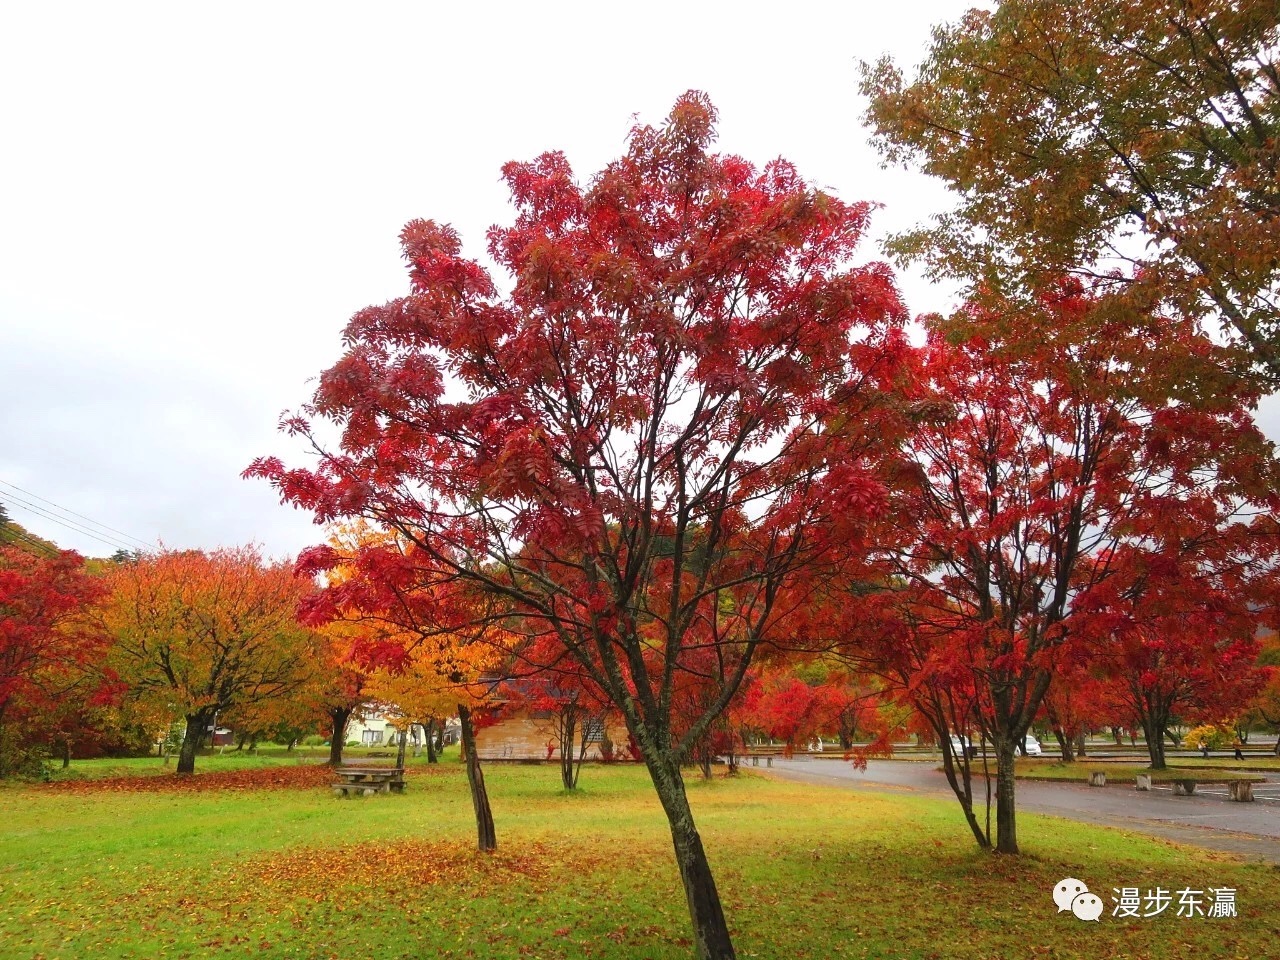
(1207, 819)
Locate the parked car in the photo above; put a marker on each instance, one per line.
(963, 745)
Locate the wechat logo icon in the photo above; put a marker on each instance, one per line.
(1072, 894)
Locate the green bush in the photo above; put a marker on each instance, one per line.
(315, 740)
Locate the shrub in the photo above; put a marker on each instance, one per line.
(1215, 737)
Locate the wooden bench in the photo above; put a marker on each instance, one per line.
(366, 781)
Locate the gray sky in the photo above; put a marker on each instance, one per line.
(194, 199)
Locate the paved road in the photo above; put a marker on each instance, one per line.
(1207, 819)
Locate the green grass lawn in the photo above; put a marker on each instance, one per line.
(223, 760)
(1250, 763)
(805, 872)
(1045, 769)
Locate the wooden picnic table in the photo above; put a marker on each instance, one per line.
(364, 781)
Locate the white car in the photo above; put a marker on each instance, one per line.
(962, 745)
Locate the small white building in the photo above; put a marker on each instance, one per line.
(374, 729)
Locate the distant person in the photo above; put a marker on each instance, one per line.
(1204, 750)
(1238, 745)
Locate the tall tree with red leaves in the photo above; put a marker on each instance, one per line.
(548, 682)
(1062, 450)
(679, 406)
(49, 650)
(1178, 622)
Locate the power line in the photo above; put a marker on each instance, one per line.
(31, 541)
(76, 528)
(90, 520)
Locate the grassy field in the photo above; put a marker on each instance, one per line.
(1045, 769)
(125, 868)
(209, 761)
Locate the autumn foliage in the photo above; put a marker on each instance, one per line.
(679, 406)
(1133, 141)
(50, 652)
(1068, 487)
(197, 633)
(300, 777)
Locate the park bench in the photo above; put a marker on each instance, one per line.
(768, 752)
(1239, 790)
(365, 781)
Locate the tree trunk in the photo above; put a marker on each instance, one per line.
(567, 779)
(404, 737)
(486, 838)
(1006, 824)
(1080, 745)
(1064, 745)
(196, 722)
(710, 931)
(339, 717)
(960, 777)
(1153, 730)
(439, 737)
(582, 753)
(432, 755)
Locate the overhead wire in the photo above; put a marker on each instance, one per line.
(43, 514)
(20, 536)
(67, 510)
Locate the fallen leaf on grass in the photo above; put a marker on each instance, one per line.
(301, 777)
(404, 864)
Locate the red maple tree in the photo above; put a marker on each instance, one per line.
(679, 406)
(546, 681)
(1060, 448)
(50, 653)
(1176, 624)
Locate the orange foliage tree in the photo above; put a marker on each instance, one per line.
(422, 647)
(196, 633)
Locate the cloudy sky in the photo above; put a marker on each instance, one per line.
(194, 199)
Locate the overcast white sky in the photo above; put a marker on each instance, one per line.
(194, 199)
